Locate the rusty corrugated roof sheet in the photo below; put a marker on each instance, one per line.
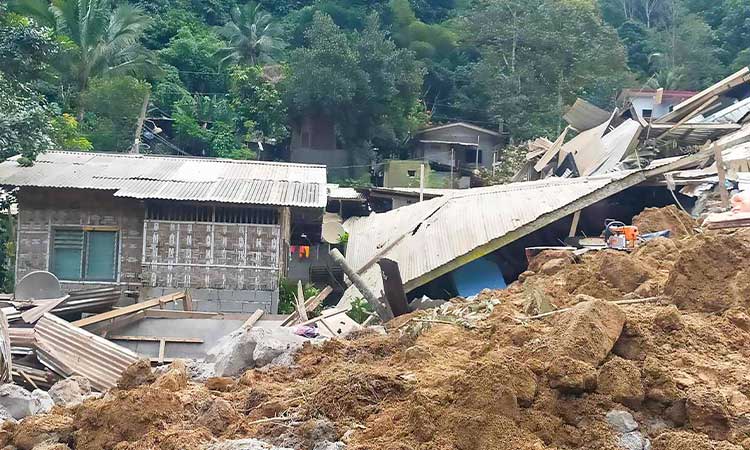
(71, 350)
(175, 178)
(424, 238)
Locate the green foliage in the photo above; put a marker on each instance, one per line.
(427, 41)
(192, 53)
(288, 293)
(26, 126)
(259, 106)
(252, 35)
(67, 134)
(111, 128)
(204, 126)
(103, 40)
(510, 160)
(360, 310)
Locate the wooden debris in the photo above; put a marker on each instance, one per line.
(109, 315)
(310, 305)
(727, 220)
(254, 318)
(36, 313)
(6, 372)
(300, 301)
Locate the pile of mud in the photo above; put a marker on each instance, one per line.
(669, 373)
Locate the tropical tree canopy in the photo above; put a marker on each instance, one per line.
(253, 36)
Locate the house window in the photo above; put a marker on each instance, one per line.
(83, 255)
(411, 173)
(647, 113)
(471, 156)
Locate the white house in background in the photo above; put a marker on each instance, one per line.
(652, 103)
(459, 144)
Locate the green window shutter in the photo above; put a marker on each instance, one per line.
(67, 254)
(101, 256)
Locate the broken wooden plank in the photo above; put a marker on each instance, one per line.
(552, 151)
(249, 323)
(381, 308)
(300, 301)
(187, 302)
(179, 340)
(7, 372)
(162, 350)
(36, 313)
(338, 325)
(109, 315)
(310, 306)
(328, 313)
(70, 350)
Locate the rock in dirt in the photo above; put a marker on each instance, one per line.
(622, 271)
(219, 415)
(659, 383)
(621, 421)
(544, 256)
(553, 266)
(43, 429)
(621, 380)
(325, 445)
(137, 374)
(44, 401)
(255, 347)
(633, 441)
(571, 376)
(50, 446)
(70, 391)
(21, 403)
(243, 444)
(589, 331)
(174, 379)
(708, 412)
(669, 319)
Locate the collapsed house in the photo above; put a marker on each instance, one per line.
(604, 165)
(152, 225)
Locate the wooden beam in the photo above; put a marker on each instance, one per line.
(178, 314)
(187, 302)
(692, 114)
(162, 349)
(254, 318)
(181, 340)
(109, 315)
(718, 155)
(300, 301)
(310, 306)
(574, 225)
(326, 314)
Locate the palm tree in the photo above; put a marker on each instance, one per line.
(253, 36)
(106, 39)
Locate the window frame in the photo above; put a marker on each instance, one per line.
(85, 250)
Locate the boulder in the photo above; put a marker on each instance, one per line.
(218, 416)
(621, 421)
(18, 401)
(708, 412)
(569, 375)
(589, 331)
(621, 380)
(43, 429)
(44, 402)
(71, 391)
(252, 348)
(669, 319)
(243, 444)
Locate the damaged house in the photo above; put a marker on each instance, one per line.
(152, 225)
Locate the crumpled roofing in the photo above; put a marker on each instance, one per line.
(175, 178)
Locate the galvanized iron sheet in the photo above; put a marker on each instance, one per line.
(175, 178)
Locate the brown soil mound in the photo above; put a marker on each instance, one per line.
(506, 384)
(678, 222)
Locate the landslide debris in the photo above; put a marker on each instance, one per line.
(671, 372)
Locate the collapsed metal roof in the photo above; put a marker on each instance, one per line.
(434, 237)
(175, 178)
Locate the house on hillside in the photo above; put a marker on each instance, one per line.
(458, 145)
(652, 103)
(152, 224)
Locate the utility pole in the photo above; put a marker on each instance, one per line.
(453, 162)
(139, 127)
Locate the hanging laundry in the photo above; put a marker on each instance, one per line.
(304, 251)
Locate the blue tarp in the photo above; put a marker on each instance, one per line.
(479, 274)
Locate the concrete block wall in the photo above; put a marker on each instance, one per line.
(223, 300)
(41, 210)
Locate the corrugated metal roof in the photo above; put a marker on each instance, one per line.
(68, 348)
(337, 192)
(423, 237)
(175, 178)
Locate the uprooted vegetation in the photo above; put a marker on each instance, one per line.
(678, 362)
